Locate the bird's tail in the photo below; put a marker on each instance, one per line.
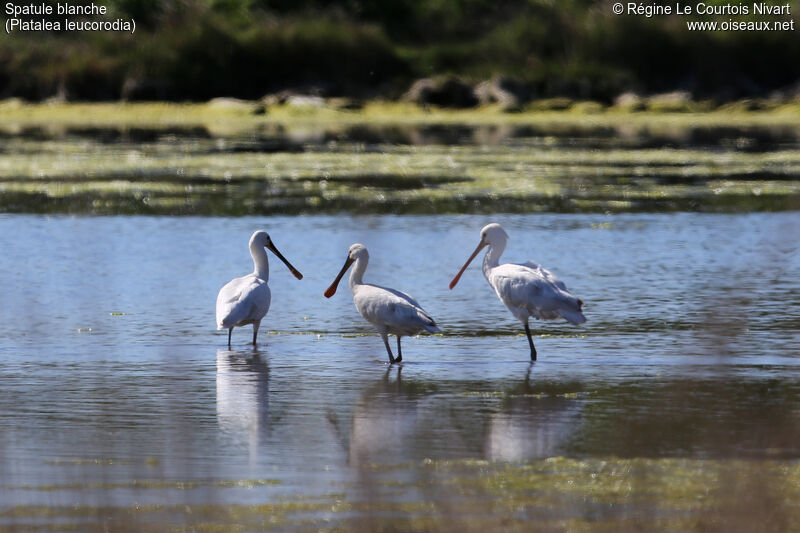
(429, 323)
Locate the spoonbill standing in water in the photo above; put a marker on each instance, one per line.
(390, 311)
(246, 300)
(527, 289)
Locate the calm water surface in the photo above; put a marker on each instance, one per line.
(115, 388)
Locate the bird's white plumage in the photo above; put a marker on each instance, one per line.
(527, 289)
(246, 300)
(242, 301)
(391, 312)
(533, 292)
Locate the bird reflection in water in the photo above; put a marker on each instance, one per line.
(243, 399)
(532, 423)
(406, 421)
(385, 421)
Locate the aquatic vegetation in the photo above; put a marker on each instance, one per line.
(176, 160)
(597, 494)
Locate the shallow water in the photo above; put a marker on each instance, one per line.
(120, 405)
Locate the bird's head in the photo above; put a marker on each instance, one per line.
(354, 253)
(493, 234)
(357, 251)
(261, 239)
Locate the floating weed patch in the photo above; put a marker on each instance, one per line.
(536, 395)
(555, 494)
(603, 225)
(484, 394)
(609, 166)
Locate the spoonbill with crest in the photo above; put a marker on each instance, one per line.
(527, 289)
(390, 311)
(246, 300)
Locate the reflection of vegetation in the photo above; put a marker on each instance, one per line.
(557, 494)
(240, 164)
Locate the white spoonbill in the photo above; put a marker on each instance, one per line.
(390, 311)
(246, 300)
(527, 289)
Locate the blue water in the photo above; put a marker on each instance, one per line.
(113, 375)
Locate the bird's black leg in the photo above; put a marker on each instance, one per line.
(385, 338)
(255, 331)
(230, 330)
(399, 351)
(530, 341)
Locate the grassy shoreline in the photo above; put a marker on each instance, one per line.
(251, 114)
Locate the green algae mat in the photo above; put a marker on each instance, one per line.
(556, 494)
(198, 160)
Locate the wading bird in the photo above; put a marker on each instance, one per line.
(246, 300)
(390, 311)
(527, 289)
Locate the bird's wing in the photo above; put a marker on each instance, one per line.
(407, 302)
(404, 295)
(545, 274)
(393, 308)
(535, 289)
(522, 286)
(242, 299)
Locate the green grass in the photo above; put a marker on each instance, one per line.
(224, 119)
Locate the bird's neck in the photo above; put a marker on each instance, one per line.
(260, 262)
(357, 273)
(492, 257)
